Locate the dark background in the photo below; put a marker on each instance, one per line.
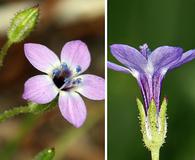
(157, 23)
(60, 21)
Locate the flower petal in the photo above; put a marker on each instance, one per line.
(76, 53)
(145, 83)
(129, 56)
(72, 108)
(40, 89)
(157, 84)
(186, 57)
(151, 88)
(92, 87)
(165, 57)
(117, 67)
(41, 57)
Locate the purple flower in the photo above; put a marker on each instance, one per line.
(63, 77)
(149, 68)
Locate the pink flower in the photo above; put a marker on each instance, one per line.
(63, 77)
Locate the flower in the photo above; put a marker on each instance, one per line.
(63, 77)
(149, 68)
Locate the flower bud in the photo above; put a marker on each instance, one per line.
(22, 24)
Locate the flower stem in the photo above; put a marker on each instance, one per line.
(4, 50)
(30, 108)
(12, 112)
(155, 154)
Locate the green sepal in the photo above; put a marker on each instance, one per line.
(22, 24)
(46, 154)
(142, 115)
(152, 118)
(163, 118)
(153, 124)
(143, 120)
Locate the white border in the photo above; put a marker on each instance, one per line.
(106, 94)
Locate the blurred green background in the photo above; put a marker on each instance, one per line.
(24, 136)
(156, 22)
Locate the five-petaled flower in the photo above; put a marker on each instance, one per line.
(149, 68)
(63, 77)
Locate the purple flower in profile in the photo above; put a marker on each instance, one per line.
(149, 68)
(63, 77)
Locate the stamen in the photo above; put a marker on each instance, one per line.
(67, 81)
(77, 81)
(64, 79)
(145, 50)
(61, 77)
(56, 72)
(64, 66)
(78, 69)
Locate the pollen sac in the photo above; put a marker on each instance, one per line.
(56, 72)
(67, 81)
(153, 124)
(22, 24)
(77, 81)
(78, 69)
(64, 66)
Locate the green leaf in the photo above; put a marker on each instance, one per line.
(22, 24)
(46, 154)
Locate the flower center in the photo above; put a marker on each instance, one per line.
(63, 78)
(150, 68)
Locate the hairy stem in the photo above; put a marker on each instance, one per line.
(155, 154)
(12, 112)
(30, 108)
(4, 50)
